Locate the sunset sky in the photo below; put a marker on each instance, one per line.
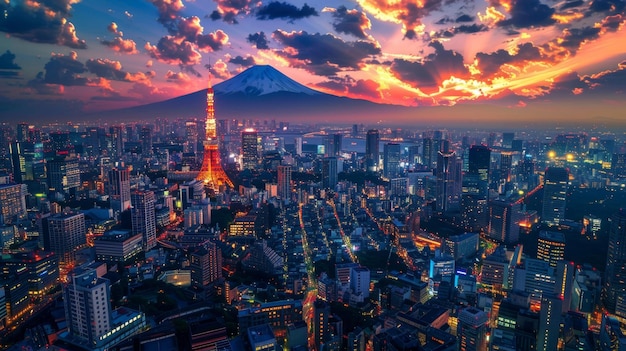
(520, 54)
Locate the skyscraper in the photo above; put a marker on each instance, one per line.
(549, 322)
(614, 290)
(143, 217)
(284, 182)
(249, 149)
(211, 172)
(448, 181)
(472, 330)
(475, 191)
(119, 189)
(555, 184)
(329, 172)
(12, 202)
(321, 325)
(146, 141)
(504, 219)
(191, 137)
(63, 175)
(371, 150)
(64, 234)
(116, 141)
(391, 160)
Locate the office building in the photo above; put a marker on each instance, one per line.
(118, 246)
(360, 281)
(250, 149)
(504, 220)
(146, 141)
(261, 338)
(475, 189)
(284, 182)
(205, 263)
(42, 269)
(191, 137)
(472, 330)
(371, 150)
(330, 173)
(549, 322)
(116, 141)
(143, 217)
(448, 182)
(14, 280)
(461, 246)
(551, 247)
(63, 176)
(391, 160)
(321, 323)
(119, 189)
(614, 290)
(278, 314)
(12, 202)
(555, 184)
(64, 234)
(92, 324)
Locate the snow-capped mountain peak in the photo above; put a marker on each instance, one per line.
(261, 80)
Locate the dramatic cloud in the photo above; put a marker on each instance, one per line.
(464, 18)
(65, 70)
(212, 41)
(259, 40)
(7, 61)
(40, 22)
(323, 54)
(284, 10)
(243, 61)
(105, 68)
(179, 78)
(112, 27)
(228, 10)
(462, 29)
(362, 88)
(490, 64)
(429, 73)
(119, 44)
(168, 12)
(172, 50)
(573, 38)
(352, 22)
(407, 12)
(529, 13)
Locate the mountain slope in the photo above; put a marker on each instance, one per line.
(261, 92)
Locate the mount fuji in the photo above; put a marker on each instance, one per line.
(261, 92)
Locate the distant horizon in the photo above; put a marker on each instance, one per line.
(515, 60)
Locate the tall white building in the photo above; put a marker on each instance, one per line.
(360, 281)
(119, 189)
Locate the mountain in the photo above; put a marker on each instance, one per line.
(261, 92)
(261, 80)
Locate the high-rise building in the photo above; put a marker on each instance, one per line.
(143, 217)
(250, 149)
(614, 290)
(472, 330)
(146, 141)
(211, 172)
(191, 137)
(64, 234)
(42, 269)
(116, 141)
(22, 132)
(551, 247)
(507, 140)
(360, 281)
(60, 144)
(330, 173)
(336, 145)
(12, 202)
(284, 182)
(18, 161)
(618, 165)
(391, 160)
(14, 280)
(63, 175)
(549, 322)
(504, 219)
(371, 150)
(475, 191)
(555, 184)
(119, 189)
(321, 325)
(206, 264)
(448, 182)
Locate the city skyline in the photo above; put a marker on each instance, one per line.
(489, 60)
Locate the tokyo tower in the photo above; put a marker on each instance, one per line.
(212, 173)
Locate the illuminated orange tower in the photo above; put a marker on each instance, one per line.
(212, 173)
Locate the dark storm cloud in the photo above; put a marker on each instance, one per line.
(464, 18)
(168, 13)
(284, 10)
(612, 23)
(489, 64)
(324, 52)
(243, 61)
(615, 6)
(434, 69)
(7, 61)
(462, 29)
(259, 40)
(65, 70)
(352, 22)
(106, 69)
(571, 4)
(228, 10)
(529, 13)
(43, 22)
(574, 37)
